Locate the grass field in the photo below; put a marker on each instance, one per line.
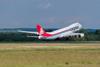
(49, 55)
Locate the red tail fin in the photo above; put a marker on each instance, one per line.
(41, 31)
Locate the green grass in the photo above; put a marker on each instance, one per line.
(50, 58)
(19, 56)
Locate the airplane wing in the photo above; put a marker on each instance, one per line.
(76, 34)
(72, 35)
(33, 36)
(28, 32)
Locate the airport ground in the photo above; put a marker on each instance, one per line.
(50, 54)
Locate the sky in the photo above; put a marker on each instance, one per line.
(49, 13)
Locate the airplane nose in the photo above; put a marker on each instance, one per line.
(80, 26)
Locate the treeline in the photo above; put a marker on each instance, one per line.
(90, 35)
(23, 37)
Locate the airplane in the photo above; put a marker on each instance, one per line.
(69, 31)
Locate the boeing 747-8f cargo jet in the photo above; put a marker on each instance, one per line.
(60, 33)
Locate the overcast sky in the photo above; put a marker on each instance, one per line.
(49, 13)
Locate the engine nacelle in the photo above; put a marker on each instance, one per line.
(39, 37)
(81, 35)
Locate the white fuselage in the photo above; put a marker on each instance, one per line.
(64, 32)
